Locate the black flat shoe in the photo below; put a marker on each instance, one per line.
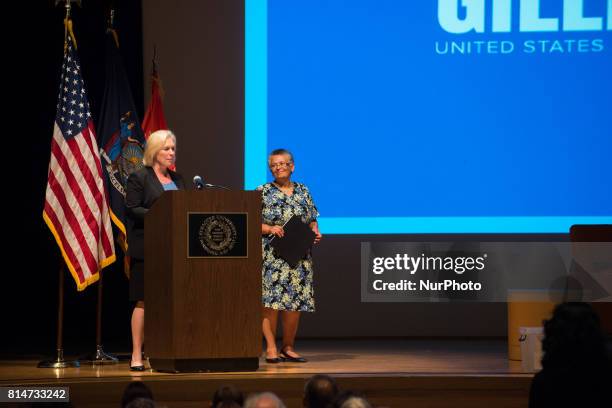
(136, 368)
(274, 360)
(286, 357)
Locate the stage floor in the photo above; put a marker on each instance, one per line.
(390, 372)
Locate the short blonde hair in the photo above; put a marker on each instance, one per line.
(155, 143)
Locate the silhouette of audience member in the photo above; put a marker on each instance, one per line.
(576, 367)
(141, 403)
(350, 399)
(264, 400)
(227, 396)
(228, 404)
(356, 402)
(135, 390)
(320, 391)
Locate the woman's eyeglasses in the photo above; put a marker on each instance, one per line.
(280, 165)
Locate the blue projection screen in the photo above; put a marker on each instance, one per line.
(435, 116)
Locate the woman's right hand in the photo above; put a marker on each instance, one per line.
(277, 230)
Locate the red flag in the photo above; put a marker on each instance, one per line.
(154, 117)
(76, 205)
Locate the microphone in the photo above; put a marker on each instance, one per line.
(201, 185)
(198, 182)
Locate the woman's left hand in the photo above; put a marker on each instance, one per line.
(314, 226)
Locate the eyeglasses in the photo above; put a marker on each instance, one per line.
(280, 165)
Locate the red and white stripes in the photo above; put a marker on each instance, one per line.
(76, 207)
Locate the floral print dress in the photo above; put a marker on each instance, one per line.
(283, 287)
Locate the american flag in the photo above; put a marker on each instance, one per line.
(76, 205)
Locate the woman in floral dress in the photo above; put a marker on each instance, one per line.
(286, 290)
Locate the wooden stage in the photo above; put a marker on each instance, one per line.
(391, 373)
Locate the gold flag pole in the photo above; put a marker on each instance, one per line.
(59, 361)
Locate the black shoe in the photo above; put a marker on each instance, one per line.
(286, 357)
(136, 368)
(274, 360)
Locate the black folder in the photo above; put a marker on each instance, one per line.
(296, 243)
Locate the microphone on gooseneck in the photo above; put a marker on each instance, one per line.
(198, 182)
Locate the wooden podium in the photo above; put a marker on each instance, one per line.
(203, 281)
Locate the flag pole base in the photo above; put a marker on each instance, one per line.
(101, 357)
(59, 362)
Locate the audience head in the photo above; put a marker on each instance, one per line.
(573, 338)
(141, 403)
(320, 391)
(135, 390)
(226, 397)
(350, 399)
(228, 404)
(264, 400)
(356, 402)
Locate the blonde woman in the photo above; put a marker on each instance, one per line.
(144, 187)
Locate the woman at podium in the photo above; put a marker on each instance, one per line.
(285, 290)
(144, 187)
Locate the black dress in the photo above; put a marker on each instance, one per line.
(142, 190)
